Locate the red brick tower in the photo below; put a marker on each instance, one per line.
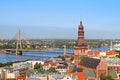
(81, 48)
(80, 41)
(102, 68)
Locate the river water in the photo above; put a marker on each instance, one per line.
(37, 55)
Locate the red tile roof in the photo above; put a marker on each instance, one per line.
(109, 52)
(51, 63)
(81, 75)
(90, 52)
(94, 52)
(21, 78)
(70, 61)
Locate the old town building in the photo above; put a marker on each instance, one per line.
(93, 68)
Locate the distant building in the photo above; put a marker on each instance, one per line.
(37, 46)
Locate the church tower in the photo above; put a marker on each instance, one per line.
(80, 48)
(102, 68)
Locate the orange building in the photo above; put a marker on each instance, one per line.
(81, 75)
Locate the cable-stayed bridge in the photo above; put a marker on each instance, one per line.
(22, 41)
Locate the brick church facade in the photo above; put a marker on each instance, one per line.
(97, 67)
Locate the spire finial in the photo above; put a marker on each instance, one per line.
(80, 22)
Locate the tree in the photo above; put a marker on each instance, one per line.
(103, 77)
(52, 70)
(109, 78)
(118, 56)
(63, 58)
(38, 67)
(72, 58)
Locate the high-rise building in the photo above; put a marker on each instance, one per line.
(81, 47)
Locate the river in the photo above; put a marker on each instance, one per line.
(36, 55)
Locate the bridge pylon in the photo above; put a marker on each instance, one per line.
(65, 52)
(19, 44)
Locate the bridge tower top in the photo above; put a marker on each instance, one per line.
(19, 44)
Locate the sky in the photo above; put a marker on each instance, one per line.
(59, 19)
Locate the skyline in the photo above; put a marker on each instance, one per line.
(60, 19)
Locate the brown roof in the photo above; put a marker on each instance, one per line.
(89, 62)
(77, 70)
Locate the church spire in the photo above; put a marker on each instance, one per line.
(80, 41)
(80, 48)
(80, 26)
(81, 22)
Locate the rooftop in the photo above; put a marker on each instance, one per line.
(112, 61)
(89, 73)
(112, 73)
(89, 62)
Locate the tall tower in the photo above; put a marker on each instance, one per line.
(80, 48)
(19, 44)
(80, 41)
(65, 53)
(111, 46)
(101, 69)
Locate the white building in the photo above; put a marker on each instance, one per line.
(61, 69)
(2, 73)
(20, 65)
(33, 62)
(67, 78)
(10, 75)
(102, 54)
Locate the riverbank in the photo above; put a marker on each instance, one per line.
(3, 52)
(10, 63)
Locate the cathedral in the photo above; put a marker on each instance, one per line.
(81, 47)
(92, 68)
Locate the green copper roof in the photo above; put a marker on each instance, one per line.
(112, 73)
(89, 73)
